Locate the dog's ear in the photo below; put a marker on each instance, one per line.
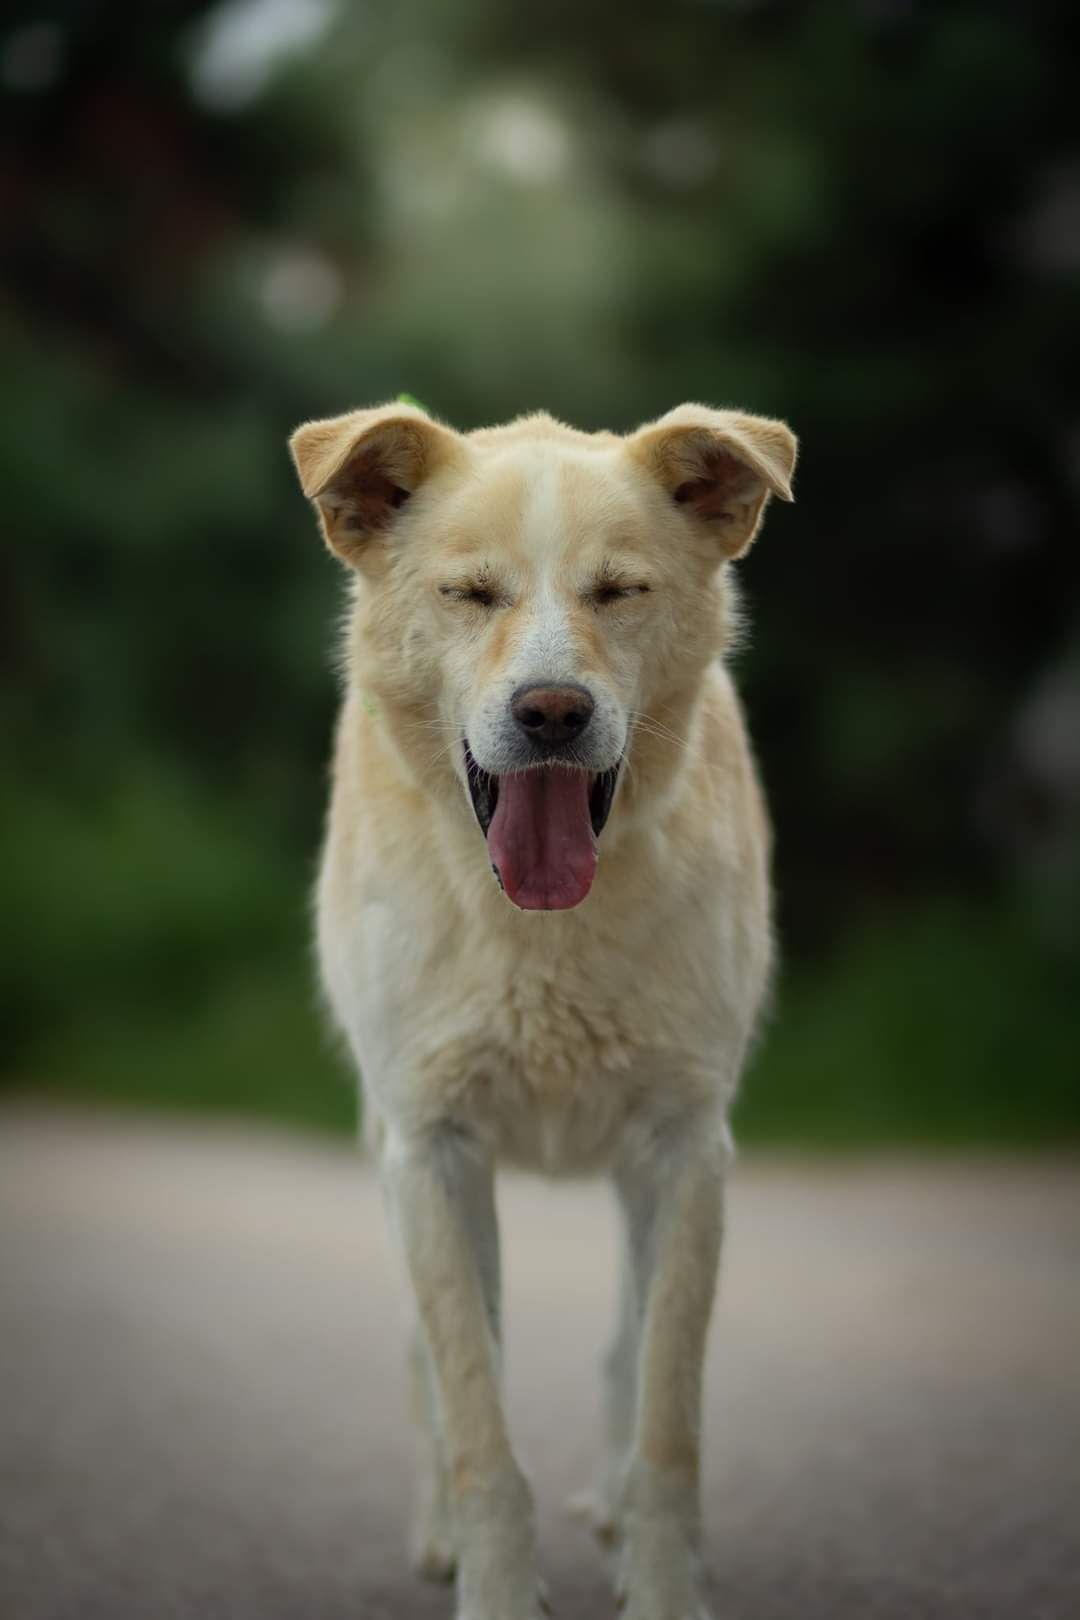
(360, 469)
(720, 467)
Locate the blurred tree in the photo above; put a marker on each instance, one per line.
(863, 216)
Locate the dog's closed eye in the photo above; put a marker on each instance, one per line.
(480, 595)
(606, 591)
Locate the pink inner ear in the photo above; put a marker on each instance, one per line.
(706, 497)
(727, 483)
(367, 496)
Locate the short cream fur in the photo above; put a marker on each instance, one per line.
(607, 1038)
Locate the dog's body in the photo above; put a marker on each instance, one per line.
(552, 1038)
(535, 644)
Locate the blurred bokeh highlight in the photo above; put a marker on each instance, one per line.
(216, 220)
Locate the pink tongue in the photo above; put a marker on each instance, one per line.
(541, 838)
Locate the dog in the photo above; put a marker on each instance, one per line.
(543, 914)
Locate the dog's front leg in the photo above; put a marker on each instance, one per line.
(439, 1187)
(673, 1204)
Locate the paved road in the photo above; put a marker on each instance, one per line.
(201, 1385)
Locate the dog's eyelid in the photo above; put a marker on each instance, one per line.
(479, 592)
(617, 590)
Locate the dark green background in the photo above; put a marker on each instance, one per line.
(215, 221)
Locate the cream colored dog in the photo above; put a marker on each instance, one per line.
(543, 912)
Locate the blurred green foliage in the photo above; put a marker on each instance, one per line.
(861, 216)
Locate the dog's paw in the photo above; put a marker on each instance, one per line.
(434, 1559)
(633, 1610)
(591, 1508)
(515, 1601)
(657, 1576)
(496, 1577)
(660, 1599)
(659, 1593)
(432, 1549)
(659, 1571)
(540, 1609)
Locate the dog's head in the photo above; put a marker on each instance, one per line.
(535, 602)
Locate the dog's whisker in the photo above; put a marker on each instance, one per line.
(663, 735)
(649, 722)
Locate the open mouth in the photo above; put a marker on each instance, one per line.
(541, 827)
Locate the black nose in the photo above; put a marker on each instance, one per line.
(552, 714)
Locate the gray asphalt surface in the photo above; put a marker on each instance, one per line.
(202, 1389)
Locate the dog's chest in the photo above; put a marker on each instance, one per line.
(554, 1074)
(561, 1025)
(556, 1064)
(550, 1042)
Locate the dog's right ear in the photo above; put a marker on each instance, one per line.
(360, 469)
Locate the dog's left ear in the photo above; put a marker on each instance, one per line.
(360, 469)
(720, 467)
